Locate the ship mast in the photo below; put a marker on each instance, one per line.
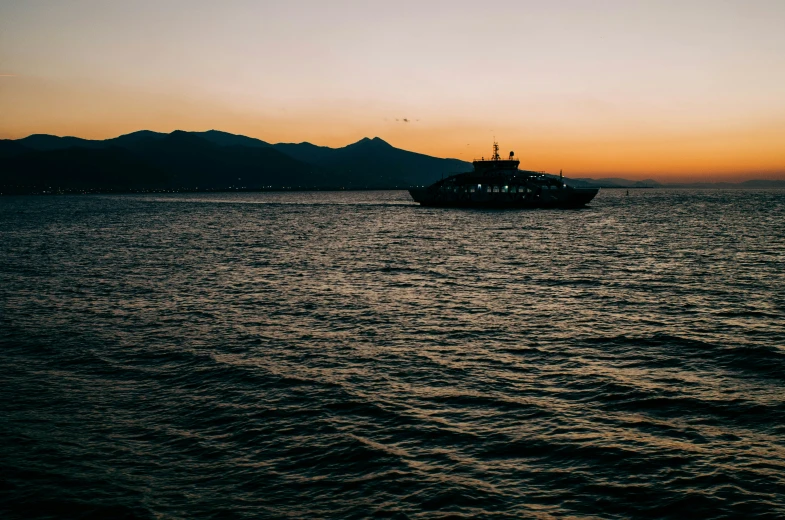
(495, 151)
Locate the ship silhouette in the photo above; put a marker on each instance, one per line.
(498, 183)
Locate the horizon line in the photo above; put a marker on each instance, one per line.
(778, 173)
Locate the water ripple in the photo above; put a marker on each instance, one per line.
(346, 355)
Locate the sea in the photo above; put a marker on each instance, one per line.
(354, 355)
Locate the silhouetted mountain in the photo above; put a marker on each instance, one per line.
(219, 160)
(9, 148)
(53, 142)
(306, 152)
(133, 139)
(195, 162)
(79, 168)
(374, 162)
(227, 139)
(180, 160)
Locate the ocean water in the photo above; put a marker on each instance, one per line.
(352, 355)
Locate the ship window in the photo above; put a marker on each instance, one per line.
(505, 189)
(490, 189)
(472, 189)
(496, 189)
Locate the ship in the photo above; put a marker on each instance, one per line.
(498, 183)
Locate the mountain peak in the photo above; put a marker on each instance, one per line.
(142, 133)
(53, 142)
(33, 136)
(181, 137)
(366, 141)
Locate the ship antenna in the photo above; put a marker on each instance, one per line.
(495, 150)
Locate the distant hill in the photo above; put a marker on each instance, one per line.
(79, 168)
(194, 162)
(132, 140)
(614, 182)
(374, 162)
(215, 160)
(53, 142)
(11, 148)
(227, 139)
(180, 160)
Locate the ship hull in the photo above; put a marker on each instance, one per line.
(565, 198)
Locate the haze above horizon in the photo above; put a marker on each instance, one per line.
(678, 91)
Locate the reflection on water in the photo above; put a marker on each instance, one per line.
(352, 354)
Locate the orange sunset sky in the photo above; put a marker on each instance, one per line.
(670, 90)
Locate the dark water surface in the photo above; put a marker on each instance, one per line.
(351, 355)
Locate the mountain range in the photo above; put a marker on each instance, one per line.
(211, 160)
(215, 160)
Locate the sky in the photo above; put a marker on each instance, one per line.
(670, 90)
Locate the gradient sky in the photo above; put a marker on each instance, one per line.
(672, 90)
